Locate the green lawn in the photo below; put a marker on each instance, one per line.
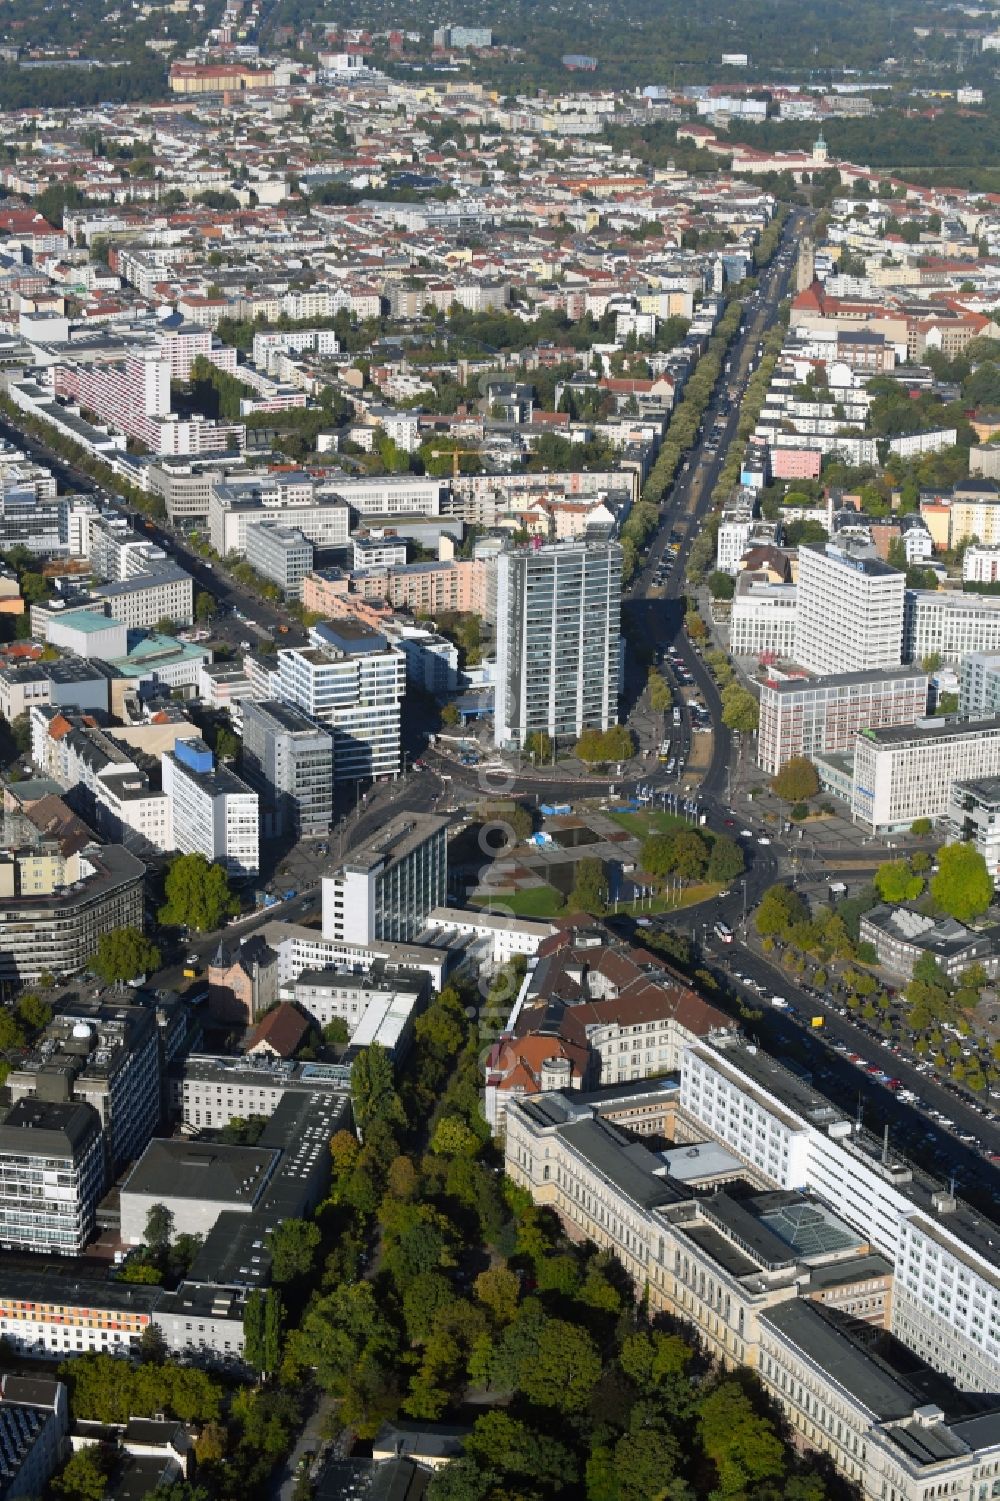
(650, 821)
(536, 901)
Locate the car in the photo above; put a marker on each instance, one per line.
(730, 823)
(763, 839)
(746, 833)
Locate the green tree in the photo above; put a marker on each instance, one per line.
(726, 860)
(373, 1089)
(780, 909)
(741, 1443)
(33, 1011)
(198, 895)
(498, 1289)
(565, 1368)
(538, 744)
(962, 887)
(262, 1326)
(336, 1032)
(796, 780)
(204, 607)
(896, 882)
(740, 709)
(293, 1245)
(85, 1475)
(660, 695)
(522, 1451)
(601, 746)
(159, 1230)
(721, 585)
(124, 954)
(590, 887)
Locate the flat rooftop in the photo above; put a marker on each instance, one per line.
(396, 840)
(178, 1169)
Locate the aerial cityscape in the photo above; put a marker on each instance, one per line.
(499, 751)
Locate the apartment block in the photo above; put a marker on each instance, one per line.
(212, 812)
(387, 887)
(905, 772)
(816, 716)
(950, 625)
(558, 640)
(981, 565)
(351, 682)
(850, 611)
(289, 760)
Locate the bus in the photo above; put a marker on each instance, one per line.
(724, 934)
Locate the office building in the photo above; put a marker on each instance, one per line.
(816, 716)
(905, 772)
(850, 611)
(288, 500)
(763, 618)
(55, 930)
(979, 685)
(289, 760)
(142, 601)
(558, 640)
(88, 635)
(282, 554)
(212, 812)
(386, 887)
(198, 1181)
(351, 681)
(945, 623)
(106, 1057)
(972, 814)
(70, 681)
(51, 1176)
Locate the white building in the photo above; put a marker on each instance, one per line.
(948, 624)
(212, 812)
(980, 565)
(973, 815)
(387, 887)
(946, 1294)
(558, 640)
(979, 685)
(143, 600)
(352, 682)
(850, 611)
(763, 618)
(905, 772)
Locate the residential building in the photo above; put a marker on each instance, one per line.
(940, 622)
(850, 611)
(763, 618)
(357, 1000)
(972, 814)
(386, 888)
(981, 565)
(558, 640)
(974, 513)
(979, 685)
(905, 772)
(212, 812)
(289, 760)
(280, 553)
(809, 716)
(351, 681)
(56, 931)
(51, 1176)
(70, 681)
(381, 548)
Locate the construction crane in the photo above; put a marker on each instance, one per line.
(455, 454)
